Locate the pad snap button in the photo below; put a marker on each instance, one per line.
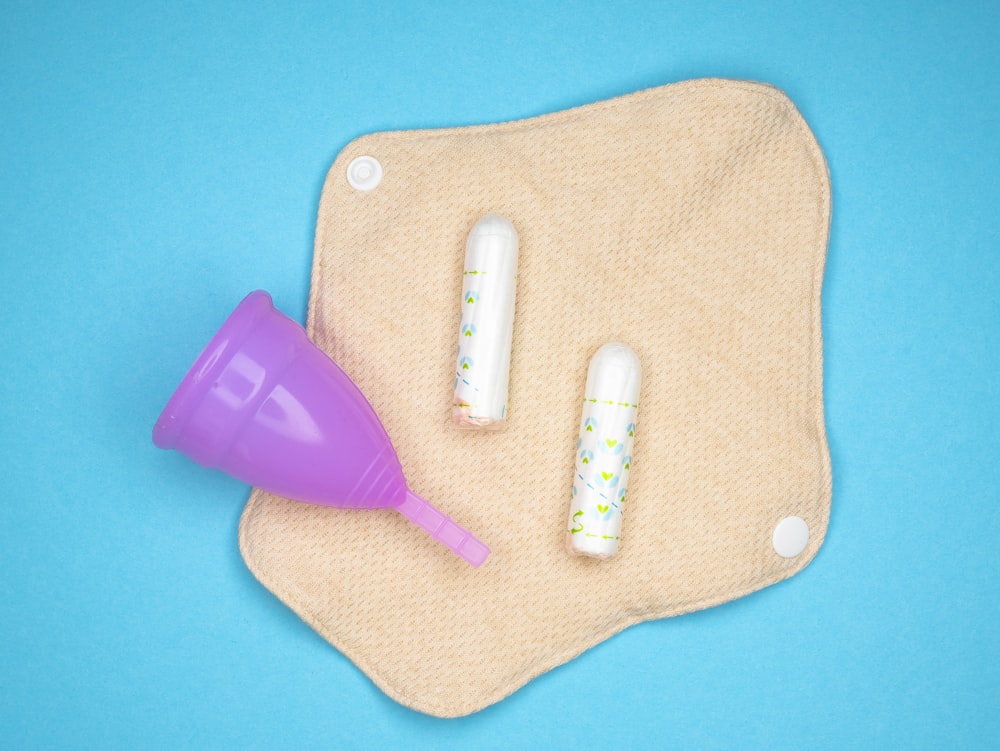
(790, 536)
(364, 173)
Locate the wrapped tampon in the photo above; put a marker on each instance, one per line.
(604, 452)
(487, 325)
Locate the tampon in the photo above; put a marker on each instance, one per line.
(604, 452)
(487, 325)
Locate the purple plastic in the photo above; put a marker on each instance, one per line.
(267, 406)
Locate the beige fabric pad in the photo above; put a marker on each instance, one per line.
(689, 221)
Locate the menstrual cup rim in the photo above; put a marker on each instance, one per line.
(188, 394)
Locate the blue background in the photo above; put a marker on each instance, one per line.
(158, 161)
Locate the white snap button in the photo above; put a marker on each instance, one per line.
(364, 173)
(790, 537)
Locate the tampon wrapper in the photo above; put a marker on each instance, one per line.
(604, 452)
(487, 325)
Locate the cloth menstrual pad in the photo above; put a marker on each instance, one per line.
(688, 221)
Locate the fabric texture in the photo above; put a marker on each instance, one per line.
(689, 221)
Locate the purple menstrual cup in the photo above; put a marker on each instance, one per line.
(267, 406)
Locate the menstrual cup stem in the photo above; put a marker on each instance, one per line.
(441, 527)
